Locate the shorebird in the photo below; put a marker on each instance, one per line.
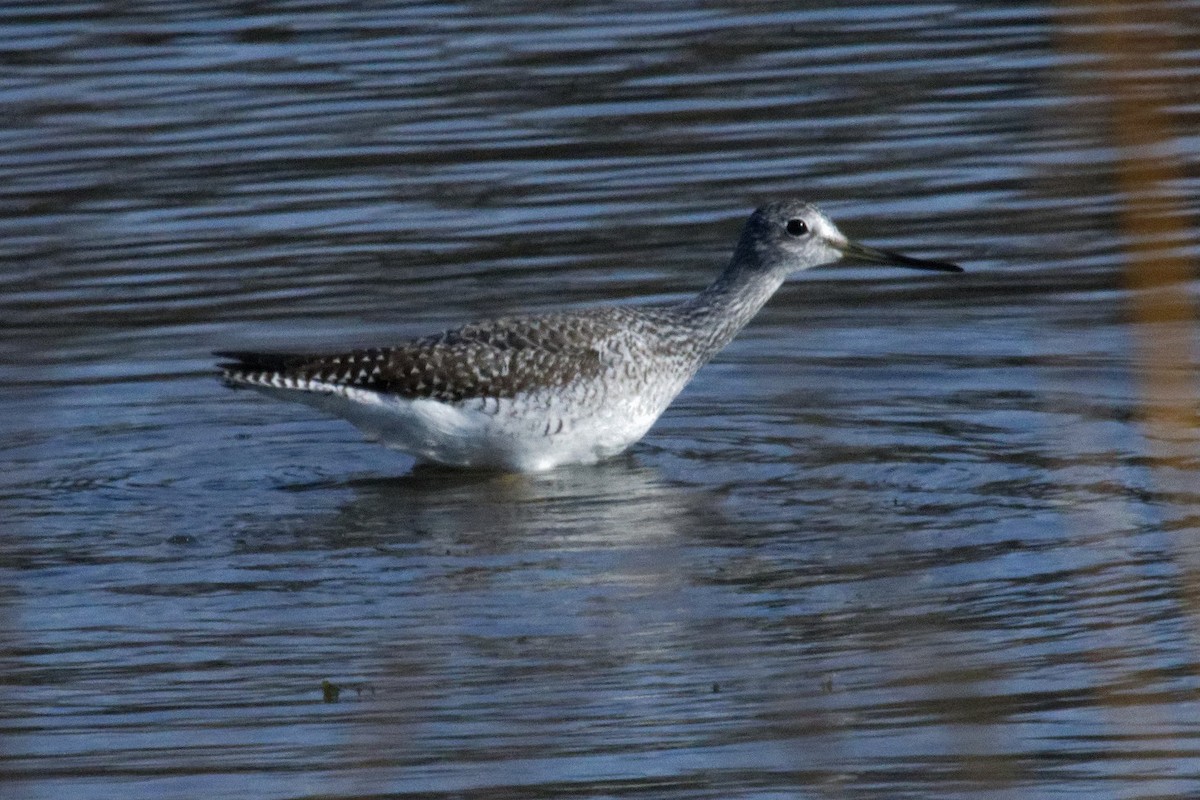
(529, 393)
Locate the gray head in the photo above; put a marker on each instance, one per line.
(791, 235)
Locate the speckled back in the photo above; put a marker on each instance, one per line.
(501, 358)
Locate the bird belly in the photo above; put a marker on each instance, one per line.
(522, 434)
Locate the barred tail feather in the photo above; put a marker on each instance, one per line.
(247, 368)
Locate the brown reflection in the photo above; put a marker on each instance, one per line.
(1128, 64)
(1122, 61)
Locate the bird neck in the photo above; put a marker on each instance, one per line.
(720, 311)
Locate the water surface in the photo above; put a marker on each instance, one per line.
(911, 535)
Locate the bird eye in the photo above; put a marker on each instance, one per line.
(797, 227)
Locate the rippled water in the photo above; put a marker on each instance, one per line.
(910, 536)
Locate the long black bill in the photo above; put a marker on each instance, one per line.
(853, 251)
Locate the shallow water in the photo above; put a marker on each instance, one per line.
(911, 535)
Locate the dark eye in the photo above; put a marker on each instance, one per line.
(797, 227)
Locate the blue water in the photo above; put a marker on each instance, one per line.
(910, 536)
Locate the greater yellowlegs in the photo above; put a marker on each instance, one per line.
(529, 393)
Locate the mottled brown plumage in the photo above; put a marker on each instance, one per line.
(500, 358)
